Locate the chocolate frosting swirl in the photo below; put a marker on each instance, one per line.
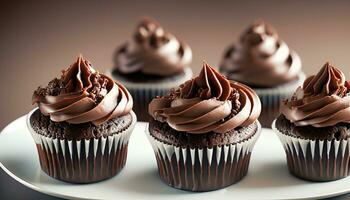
(261, 58)
(207, 103)
(323, 100)
(83, 95)
(153, 51)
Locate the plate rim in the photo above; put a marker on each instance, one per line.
(56, 194)
(23, 182)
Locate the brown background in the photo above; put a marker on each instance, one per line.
(40, 38)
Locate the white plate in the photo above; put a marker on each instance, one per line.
(268, 176)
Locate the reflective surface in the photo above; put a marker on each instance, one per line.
(40, 38)
(268, 176)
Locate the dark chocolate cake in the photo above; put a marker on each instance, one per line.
(203, 132)
(42, 125)
(150, 63)
(263, 61)
(164, 133)
(314, 127)
(83, 124)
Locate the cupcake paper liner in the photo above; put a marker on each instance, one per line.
(143, 93)
(316, 160)
(203, 169)
(271, 98)
(82, 161)
(142, 97)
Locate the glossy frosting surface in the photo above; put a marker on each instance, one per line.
(261, 58)
(82, 95)
(323, 100)
(208, 102)
(153, 51)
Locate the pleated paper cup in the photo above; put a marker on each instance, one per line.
(143, 93)
(316, 160)
(271, 98)
(203, 169)
(82, 161)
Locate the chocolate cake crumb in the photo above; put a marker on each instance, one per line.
(53, 88)
(164, 133)
(339, 131)
(64, 130)
(57, 86)
(99, 88)
(236, 104)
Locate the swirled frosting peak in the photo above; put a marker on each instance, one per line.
(329, 80)
(209, 84)
(261, 58)
(323, 100)
(153, 51)
(208, 102)
(82, 95)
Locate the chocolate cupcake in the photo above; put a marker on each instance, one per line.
(150, 64)
(203, 132)
(314, 127)
(82, 126)
(264, 62)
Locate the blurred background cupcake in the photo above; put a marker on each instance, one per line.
(83, 125)
(261, 60)
(314, 127)
(150, 63)
(204, 131)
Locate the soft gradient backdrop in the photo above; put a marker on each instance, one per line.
(40, 38)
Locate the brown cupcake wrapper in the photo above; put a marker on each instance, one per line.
(316, 160)
(271, 98)
(82, 161)
(142, 97)
(203, 169)
(158, 85)
(143, 93)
